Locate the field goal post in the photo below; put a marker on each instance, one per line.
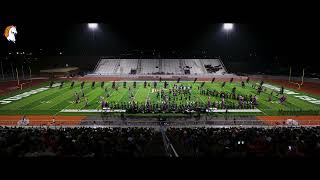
(302, 78)
(22, 85)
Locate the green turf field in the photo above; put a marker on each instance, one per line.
(56, 99)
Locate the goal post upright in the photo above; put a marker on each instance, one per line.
(290, 74)
(302, 78)
(302, 75)
(17, 76)
(300, 84)
(30, 73)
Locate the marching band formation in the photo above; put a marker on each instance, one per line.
(181, 98)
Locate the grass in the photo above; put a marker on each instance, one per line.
(52, 101)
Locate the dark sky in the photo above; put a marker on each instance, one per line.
(265, 39)
(268, 29)
(110, 37)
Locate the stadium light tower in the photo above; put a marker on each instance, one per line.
(92, 26)
(227, 27)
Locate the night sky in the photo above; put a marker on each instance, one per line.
(285, 40)
(111, 38)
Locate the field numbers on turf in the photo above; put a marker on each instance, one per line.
(45, 102)
(302, 97)
(26, 94)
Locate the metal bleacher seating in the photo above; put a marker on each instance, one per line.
(158, 66)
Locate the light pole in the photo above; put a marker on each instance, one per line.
(227, 27)
(92, 27)
(2, 70)
(22, 71)
(12, 71)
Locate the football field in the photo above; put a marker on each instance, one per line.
(43, 100)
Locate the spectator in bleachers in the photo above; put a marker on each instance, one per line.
(137, 142)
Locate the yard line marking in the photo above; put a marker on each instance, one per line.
(91, 100)
(106, 98)
(25, 94)
(47, 96)
(212, 110)
(64, 100)
(68, 105)
(91, 110)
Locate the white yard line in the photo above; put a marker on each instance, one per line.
(233, 110)
(62, 101)
(109, 96)
(45, 97)
(91, 110)
(65, 107)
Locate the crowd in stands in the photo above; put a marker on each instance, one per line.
(146, 142)
(247, 142)
(76, 142)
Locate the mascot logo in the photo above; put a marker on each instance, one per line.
(10, 33)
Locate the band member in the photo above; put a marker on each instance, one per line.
(77, 98)
(85, 101)
(282, 99)
(222, 103)
(148, 103)
(209, 102)
(254, 101)
(82, 93)
(241, 101)
(103, 104)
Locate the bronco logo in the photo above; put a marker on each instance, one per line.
(10, 33)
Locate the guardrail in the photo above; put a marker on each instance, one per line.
(221, 62)
(95, 68)
(172, 123)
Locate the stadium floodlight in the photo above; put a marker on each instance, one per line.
(227, 26)
(92, 26)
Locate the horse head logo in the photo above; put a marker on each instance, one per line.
(10, 33)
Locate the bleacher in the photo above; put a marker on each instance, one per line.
(215, 65)
(195, 65)
(108, 66)
(126, 65)
(150, 66)
(171, 66)
(159, 66)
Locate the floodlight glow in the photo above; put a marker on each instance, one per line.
(92, 25)
(227, 26)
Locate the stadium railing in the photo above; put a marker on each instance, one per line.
(95, 68)
(195, 123)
